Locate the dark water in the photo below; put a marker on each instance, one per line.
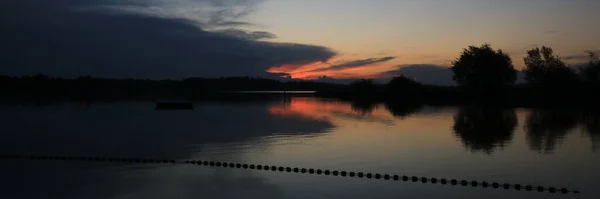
(539, 147)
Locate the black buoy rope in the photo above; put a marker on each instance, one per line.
(351, 174)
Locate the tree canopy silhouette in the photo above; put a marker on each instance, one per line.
(403, 87)
(483, 68)
(403, 84)
(542, 67)
(363, 85)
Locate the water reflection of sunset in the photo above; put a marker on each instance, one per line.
(344, 116)
(330, 110)
(356, 128)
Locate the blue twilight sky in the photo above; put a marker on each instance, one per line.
(302, 38)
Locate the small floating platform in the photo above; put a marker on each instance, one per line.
(174, 105)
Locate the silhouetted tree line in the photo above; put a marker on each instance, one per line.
(483, 75)
(93, 88)
(486, 75)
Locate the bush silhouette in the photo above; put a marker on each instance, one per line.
(403, 84)
(545, 68)
(363, 86)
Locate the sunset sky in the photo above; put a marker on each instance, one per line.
(306, 39)
(431, 31)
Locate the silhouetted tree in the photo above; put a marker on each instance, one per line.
(591, 125)
(483, 68)
(363, 85)
(544, 68)
(484, 128)
(591, 73)
(403, 87)
(402, 83)
(547, 127)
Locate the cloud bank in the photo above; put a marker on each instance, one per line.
(101, 38)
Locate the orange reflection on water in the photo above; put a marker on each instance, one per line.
(330, 110)
(354, 119)
(374, 132)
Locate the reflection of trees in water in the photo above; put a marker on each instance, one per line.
(484, 128)
(402, 110)
(364, 107)
(547, 127)
(591, 124)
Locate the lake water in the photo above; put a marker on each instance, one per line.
(538, 147)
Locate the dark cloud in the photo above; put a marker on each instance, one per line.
(233, 23)
(250, 35)
(551, 32)
(210, 13)
(354, 64)
(222, 18)
(39, 36)
(230, 11)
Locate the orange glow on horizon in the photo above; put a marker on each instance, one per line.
(307, 71)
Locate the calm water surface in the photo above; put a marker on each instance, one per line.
(540, 147)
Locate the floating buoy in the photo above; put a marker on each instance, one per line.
(289, 169)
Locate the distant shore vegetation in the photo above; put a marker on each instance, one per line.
(482, 74)
(486, 75)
